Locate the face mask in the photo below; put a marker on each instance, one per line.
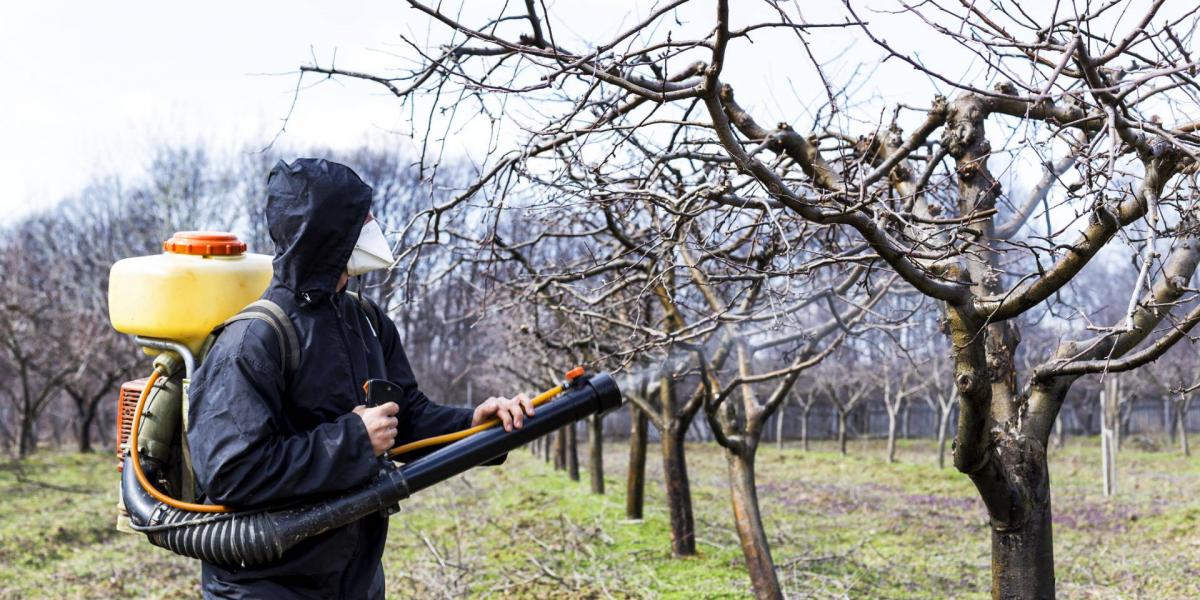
(372, 251)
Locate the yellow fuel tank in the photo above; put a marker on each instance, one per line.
(200, 279)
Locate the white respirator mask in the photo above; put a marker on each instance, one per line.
(371, 252)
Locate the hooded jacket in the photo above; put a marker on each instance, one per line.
(259, 436)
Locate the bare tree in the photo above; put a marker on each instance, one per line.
(1172, 377)
(940, 396)
(1081, 94)
(844, 389)
(901, 381)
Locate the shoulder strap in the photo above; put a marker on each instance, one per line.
(285, 331)
(372, 318)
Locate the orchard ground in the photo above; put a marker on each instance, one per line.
(839, 527)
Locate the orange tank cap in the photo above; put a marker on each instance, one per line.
(205, 243)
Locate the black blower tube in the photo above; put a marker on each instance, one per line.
(248, 538)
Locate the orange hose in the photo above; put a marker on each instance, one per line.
(137, 463)
(541, 399)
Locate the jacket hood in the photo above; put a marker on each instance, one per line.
(315, 211)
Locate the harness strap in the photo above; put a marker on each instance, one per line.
(271, 314)
(285, 331)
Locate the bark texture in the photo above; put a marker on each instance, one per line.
(635, 484)
(747, 520)
(596, 453)
(679, 493)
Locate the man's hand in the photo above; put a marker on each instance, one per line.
(381, 424)
(510, 411)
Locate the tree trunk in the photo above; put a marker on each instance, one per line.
(547, 447)
(1108, 419)
(1107, 462)
(779, 426)
(904, 421)
(748, 521)
(679, 494)
(842, 431)
(891, 436)
(943, 426)
(560, 449)
(572, 453)
(1060, 434)
(1019, 506)
(596, 452)
(1169, 419)
(635, 485)
(87, 418)
(27, 443)
(1181, 419)
(804, 429)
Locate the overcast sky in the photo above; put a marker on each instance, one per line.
(89, 87)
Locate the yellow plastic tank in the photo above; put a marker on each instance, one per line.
(200, 279)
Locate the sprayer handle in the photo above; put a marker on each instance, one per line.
(382, 391)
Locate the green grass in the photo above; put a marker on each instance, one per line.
(839, 526)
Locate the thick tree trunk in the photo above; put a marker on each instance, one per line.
(904, 421)
(635, 485)
(596, 453)
(1023, 560)
(1015, 486)
(748, 522)
(572, 453)
(679, 494)
(842, 431)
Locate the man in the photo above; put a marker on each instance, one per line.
(260, 434)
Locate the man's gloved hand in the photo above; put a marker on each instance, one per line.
(381, 424)
(510, 411)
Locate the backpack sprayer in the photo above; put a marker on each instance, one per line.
(171, 303)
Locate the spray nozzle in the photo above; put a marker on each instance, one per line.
(575, 374)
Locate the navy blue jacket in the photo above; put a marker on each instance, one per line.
(260, 436)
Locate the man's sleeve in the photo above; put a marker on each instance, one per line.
(239, 451)
(421, 418)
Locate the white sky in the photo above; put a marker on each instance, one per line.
(89, 87)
